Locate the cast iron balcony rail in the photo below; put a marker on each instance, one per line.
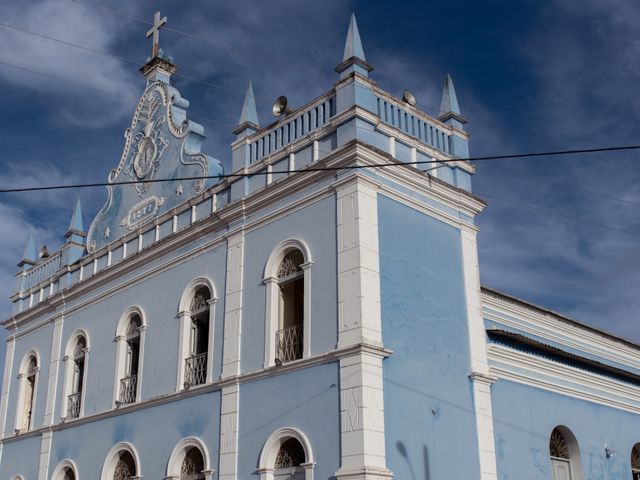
(73, 405)
(128, 389)
(195, 372)
(289, 343)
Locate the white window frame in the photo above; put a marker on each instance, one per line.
(121, 351)
(180, 451)
(22, 382)
(272, 446)
(272, 306)
(184, 316)
(111, 460)
(69, 371)
(575, 465)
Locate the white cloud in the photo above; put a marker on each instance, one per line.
(78, 24)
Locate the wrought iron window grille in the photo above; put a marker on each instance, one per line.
(558, 446)
(128, 390)
(289, 343)
(73, 405)
(195, 371)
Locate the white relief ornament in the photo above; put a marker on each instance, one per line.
(107, 232)
(179, 189)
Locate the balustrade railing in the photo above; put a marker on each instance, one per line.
(195, 371)
(128, 389)
(73, 405)
(289, 343)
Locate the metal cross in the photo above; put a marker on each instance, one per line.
(155, 31)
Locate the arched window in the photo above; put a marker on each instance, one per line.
(129, 356)
(290, 333)
(28, 382)
(125, 468)
(195, 369)
(565, 455)
(193, 465)
(129, 383)
(288, 282)
(635, 462)
(75, 376)
(286, 455)
(122, 463)
(65, 470)
(189, 461)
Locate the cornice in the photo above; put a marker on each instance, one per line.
(217, 385)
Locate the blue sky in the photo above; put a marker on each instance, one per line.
(530, 75)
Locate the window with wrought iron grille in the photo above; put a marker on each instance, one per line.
(290, 334)
(76, 378)
(125, 468)
(192, 465)
(28, 380)
(195, 368)
(129, 382)
(564, 455)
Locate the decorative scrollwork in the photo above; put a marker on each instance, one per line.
(192, 464)
(200, 302)
(133, 328)
(291, 454)
(557, 445)
(125, 468)
(291, 264)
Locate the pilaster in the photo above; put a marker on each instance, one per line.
(481, 381)
(362, 437)
(54, 368)
(6, 384)
(45, 453)
(229, 408)
(233, 305)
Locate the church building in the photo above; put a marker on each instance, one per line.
(313, 313)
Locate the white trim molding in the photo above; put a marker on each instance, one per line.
(58, 472)
(266, 464)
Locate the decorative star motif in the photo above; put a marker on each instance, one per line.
(179, 189)
(107, 232)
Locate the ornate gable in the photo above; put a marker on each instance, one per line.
(161, 143)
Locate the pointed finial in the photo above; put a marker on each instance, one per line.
(353, 45)
(76, 219)
(353, 52)
(29, 256)
(449, 108)
(249, 113)
(249, 122)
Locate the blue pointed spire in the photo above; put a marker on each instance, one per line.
(353, 45)
(353, 59)
(449, 102)
(449, 108)
(29, 256)
(76, 219)
(249, 113)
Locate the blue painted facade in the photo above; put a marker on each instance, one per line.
(402, 365)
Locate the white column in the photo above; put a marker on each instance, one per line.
(6, 384)
(359, 318)
(229, 407)
(183, 347)
(233, 306)
(481, 381)
(362, 439)
(119, 370)
(271, 320)
(54, 367)
(212, 330)
(45, 453)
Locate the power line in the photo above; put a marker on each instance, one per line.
(326, 169)
(91, 87)
(112, 55)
